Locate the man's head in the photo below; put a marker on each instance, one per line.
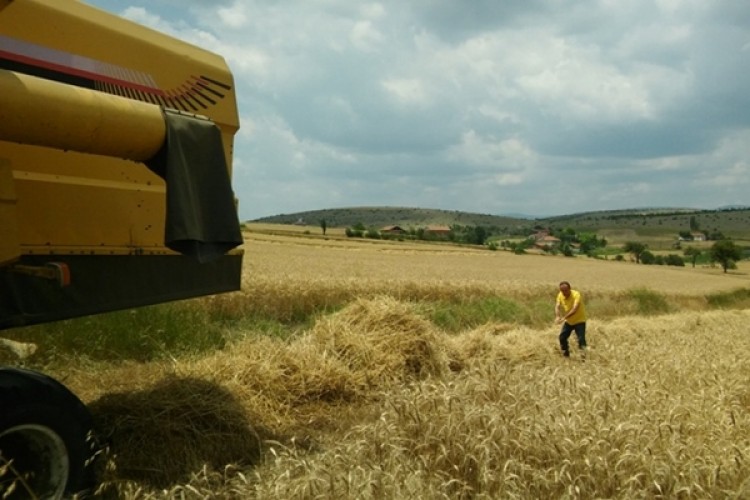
(565, 288)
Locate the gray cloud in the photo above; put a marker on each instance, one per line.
(539, 107)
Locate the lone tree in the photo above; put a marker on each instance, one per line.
(635, 248)
(694, 224)
(692, 253)
(726, 253)
(479, 236)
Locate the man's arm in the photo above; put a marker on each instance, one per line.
(572, 310)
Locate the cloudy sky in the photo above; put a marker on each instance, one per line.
(537, 107)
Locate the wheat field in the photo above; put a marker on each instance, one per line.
(372, 399)
(279, 257)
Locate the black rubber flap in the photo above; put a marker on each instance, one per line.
(201, 215)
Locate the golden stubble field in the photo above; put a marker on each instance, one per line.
(317, 259)
(373, 400)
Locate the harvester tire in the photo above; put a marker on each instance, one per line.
(46, 438)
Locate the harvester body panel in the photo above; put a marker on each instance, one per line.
(98, 211)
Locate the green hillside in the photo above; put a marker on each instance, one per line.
(401, 216)
(732, 222)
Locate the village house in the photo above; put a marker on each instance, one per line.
(546, 242)
(541, 234)
(393, 230)
(441, 231)
(694, 236)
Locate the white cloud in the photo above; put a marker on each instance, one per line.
(627, 194)
(407, 90)
(508, 154)
(364, 36)
(578, 82)
(373, 10)
(728, 167)
(737, 174)
(509, 179)
(234, 16)
(143, 16)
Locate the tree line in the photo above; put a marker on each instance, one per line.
(724, 252)
(567, 241)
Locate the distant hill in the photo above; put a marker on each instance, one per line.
(389, 216)
(732, 222)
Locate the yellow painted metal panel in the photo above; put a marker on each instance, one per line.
(107, 68)
(10, 248)
(68, 199)
(51, 114)
(58, 211)
(173, 73)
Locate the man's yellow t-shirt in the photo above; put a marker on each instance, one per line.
(567, 304)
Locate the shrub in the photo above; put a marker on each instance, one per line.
(674, 260)
(141, 334)
(736, 298)
(649, 302)
(647, 257)
(455, 317)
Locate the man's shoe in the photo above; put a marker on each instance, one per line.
(566, 354)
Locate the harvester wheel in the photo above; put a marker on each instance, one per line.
(46, 438)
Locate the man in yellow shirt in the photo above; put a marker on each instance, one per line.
(570, 311)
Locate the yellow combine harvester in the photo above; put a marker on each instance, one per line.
(115, 166)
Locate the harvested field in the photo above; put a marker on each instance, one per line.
(281, 258)
(370, 397)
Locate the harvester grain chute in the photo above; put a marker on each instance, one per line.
(115, 192)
